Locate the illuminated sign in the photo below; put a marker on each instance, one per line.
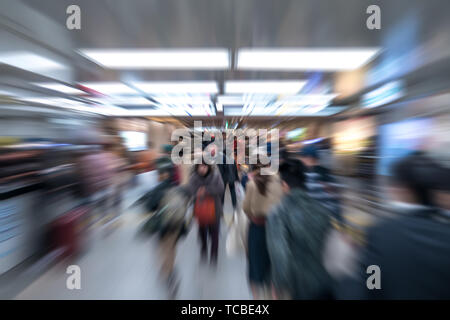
(383, 95)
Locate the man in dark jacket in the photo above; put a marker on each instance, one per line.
(295, 233)
(229, 173)
(408, 255)
(319, 182)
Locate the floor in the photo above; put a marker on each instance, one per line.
(119, 265)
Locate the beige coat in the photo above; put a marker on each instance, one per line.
(258, 206)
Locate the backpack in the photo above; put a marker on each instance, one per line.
(205, 210)
(170, 214)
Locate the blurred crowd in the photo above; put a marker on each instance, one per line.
(295, 235)
(292, 226)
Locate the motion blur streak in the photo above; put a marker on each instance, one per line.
(87, 118)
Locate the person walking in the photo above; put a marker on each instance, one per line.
(167, 203)
(228, 170)
(296, 235)
(411, 248)
(206, 187)
(263, 192)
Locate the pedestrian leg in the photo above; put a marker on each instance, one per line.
(203, 233)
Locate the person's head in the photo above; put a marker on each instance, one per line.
(309, 155)
(292, 173)
(167, 149)
(440, 187)
(413, 179)
(165, 168)
(261, 180)
(203, 169)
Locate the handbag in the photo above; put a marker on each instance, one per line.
(237, 234)
(205, 210)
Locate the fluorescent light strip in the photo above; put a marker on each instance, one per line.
(325, 59)
(110, 88)
(276, 87)
(30, 61)
(75, 105)
(297, 113)
(177, 87)
(130, 101)
(183, 100)
(295, 100)
(159, 59)
(60, 87)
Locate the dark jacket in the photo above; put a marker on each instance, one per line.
(317, 179)
(296, 232)
(152, 198)
(228, 172)
(213, 184)
(412, 250)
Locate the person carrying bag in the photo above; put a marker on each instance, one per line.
(206, 187)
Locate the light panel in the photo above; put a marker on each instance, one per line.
(320, 59)
(110, 88)
(130, 101)
(177, 87)
(264, 87)
(30, 61)
(60, 87)
(295, 100)
(159, 59)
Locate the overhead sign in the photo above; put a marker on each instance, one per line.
(383, 95)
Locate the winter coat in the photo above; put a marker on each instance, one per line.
(412, 250)
(296, 232)
(214, 187)
(316, 180)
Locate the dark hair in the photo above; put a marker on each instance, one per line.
(261, 182)
(292, 171)
(420, 175)
(208, 165)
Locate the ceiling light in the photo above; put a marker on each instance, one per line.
(110, 88)
(30, 61)
(323, 59)
(275, 87)
(177, 87)
(183, 100)
(60, 87)
(309, 99)
(159, 59)
(294, 100)
(129, 101)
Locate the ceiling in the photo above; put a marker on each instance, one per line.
(228, 24)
